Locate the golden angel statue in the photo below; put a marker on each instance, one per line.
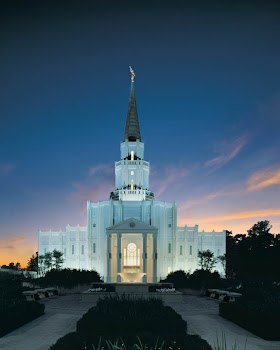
(132, 74)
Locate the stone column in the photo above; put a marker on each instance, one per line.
(119, 256)
(154, 257)
(109, 257)
(145, 257)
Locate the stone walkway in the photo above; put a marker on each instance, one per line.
(202, 316)
(62, 313)
(61, 316)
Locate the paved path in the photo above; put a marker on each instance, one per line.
(61, 316)
(202, 316)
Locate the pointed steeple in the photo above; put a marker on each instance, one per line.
(132, 128)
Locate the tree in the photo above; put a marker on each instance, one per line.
(206, 260)
(41, 265)
(32, 264)
(48, 263)
(222, 259)
(58, 260)
(18, 266)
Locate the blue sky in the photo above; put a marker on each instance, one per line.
(207, 90)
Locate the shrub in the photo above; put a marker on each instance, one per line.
(258, 317)
(71, 341)
(115, 317)
(178, 278)
(125, 318)
(18, 315)
(68, 278)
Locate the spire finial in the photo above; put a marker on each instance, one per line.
(132, 74)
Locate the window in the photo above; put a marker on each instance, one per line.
(190, 249)
(83, 249)
(132, 155)
(218, 252)
(181, 250)
(64, 252)
(132, 173)
(93, 248)
(45, 250)
(169, 270)
(73, 249)
(132, 185)
(169, 248)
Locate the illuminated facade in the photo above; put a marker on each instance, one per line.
(132, 236)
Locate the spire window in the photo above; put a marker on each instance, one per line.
(132, 155)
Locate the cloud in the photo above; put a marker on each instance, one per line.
(239, 215)
(100, 168)
(8, 247)
(264, 178)
(226, 154)
(96, 186)
(5, 168)
(170, 176)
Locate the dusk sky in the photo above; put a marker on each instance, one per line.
(208, 99)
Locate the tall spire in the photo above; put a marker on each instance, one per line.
(132, 128)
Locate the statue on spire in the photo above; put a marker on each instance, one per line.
(132, 74)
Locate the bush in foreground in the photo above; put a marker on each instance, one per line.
(18, 315)
(260, 318)
(130, 321)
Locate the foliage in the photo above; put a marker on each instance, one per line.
(128, 323)
(178, 278)
(32, 264)
(206, 260)
(68, 278)
(48, 261)
(254, 257)
(259, 317)
(10, 290)
(58, 260)
(12, 266)
(197, 280)
(18, 315)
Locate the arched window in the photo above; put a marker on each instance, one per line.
(73, 249)
(83, 249)
(181, 250)
(190, 249)
(132, 155)
(93, 247)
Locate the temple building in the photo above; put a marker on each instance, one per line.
(132, 236)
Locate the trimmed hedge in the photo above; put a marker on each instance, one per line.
(120, 317)
(68, 278)
(18, 315)
(254, 317)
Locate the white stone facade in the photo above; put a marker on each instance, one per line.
(132, 218)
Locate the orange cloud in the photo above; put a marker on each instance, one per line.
(264, 178)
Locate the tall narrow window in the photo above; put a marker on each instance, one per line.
(73, 249)
(83, 249)
(132, 185)
(45, 250)
(94, 248)
(132, 155)
(190, 249)
(218, 252)
(169, 248)
(64, 252)
(181, 250)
